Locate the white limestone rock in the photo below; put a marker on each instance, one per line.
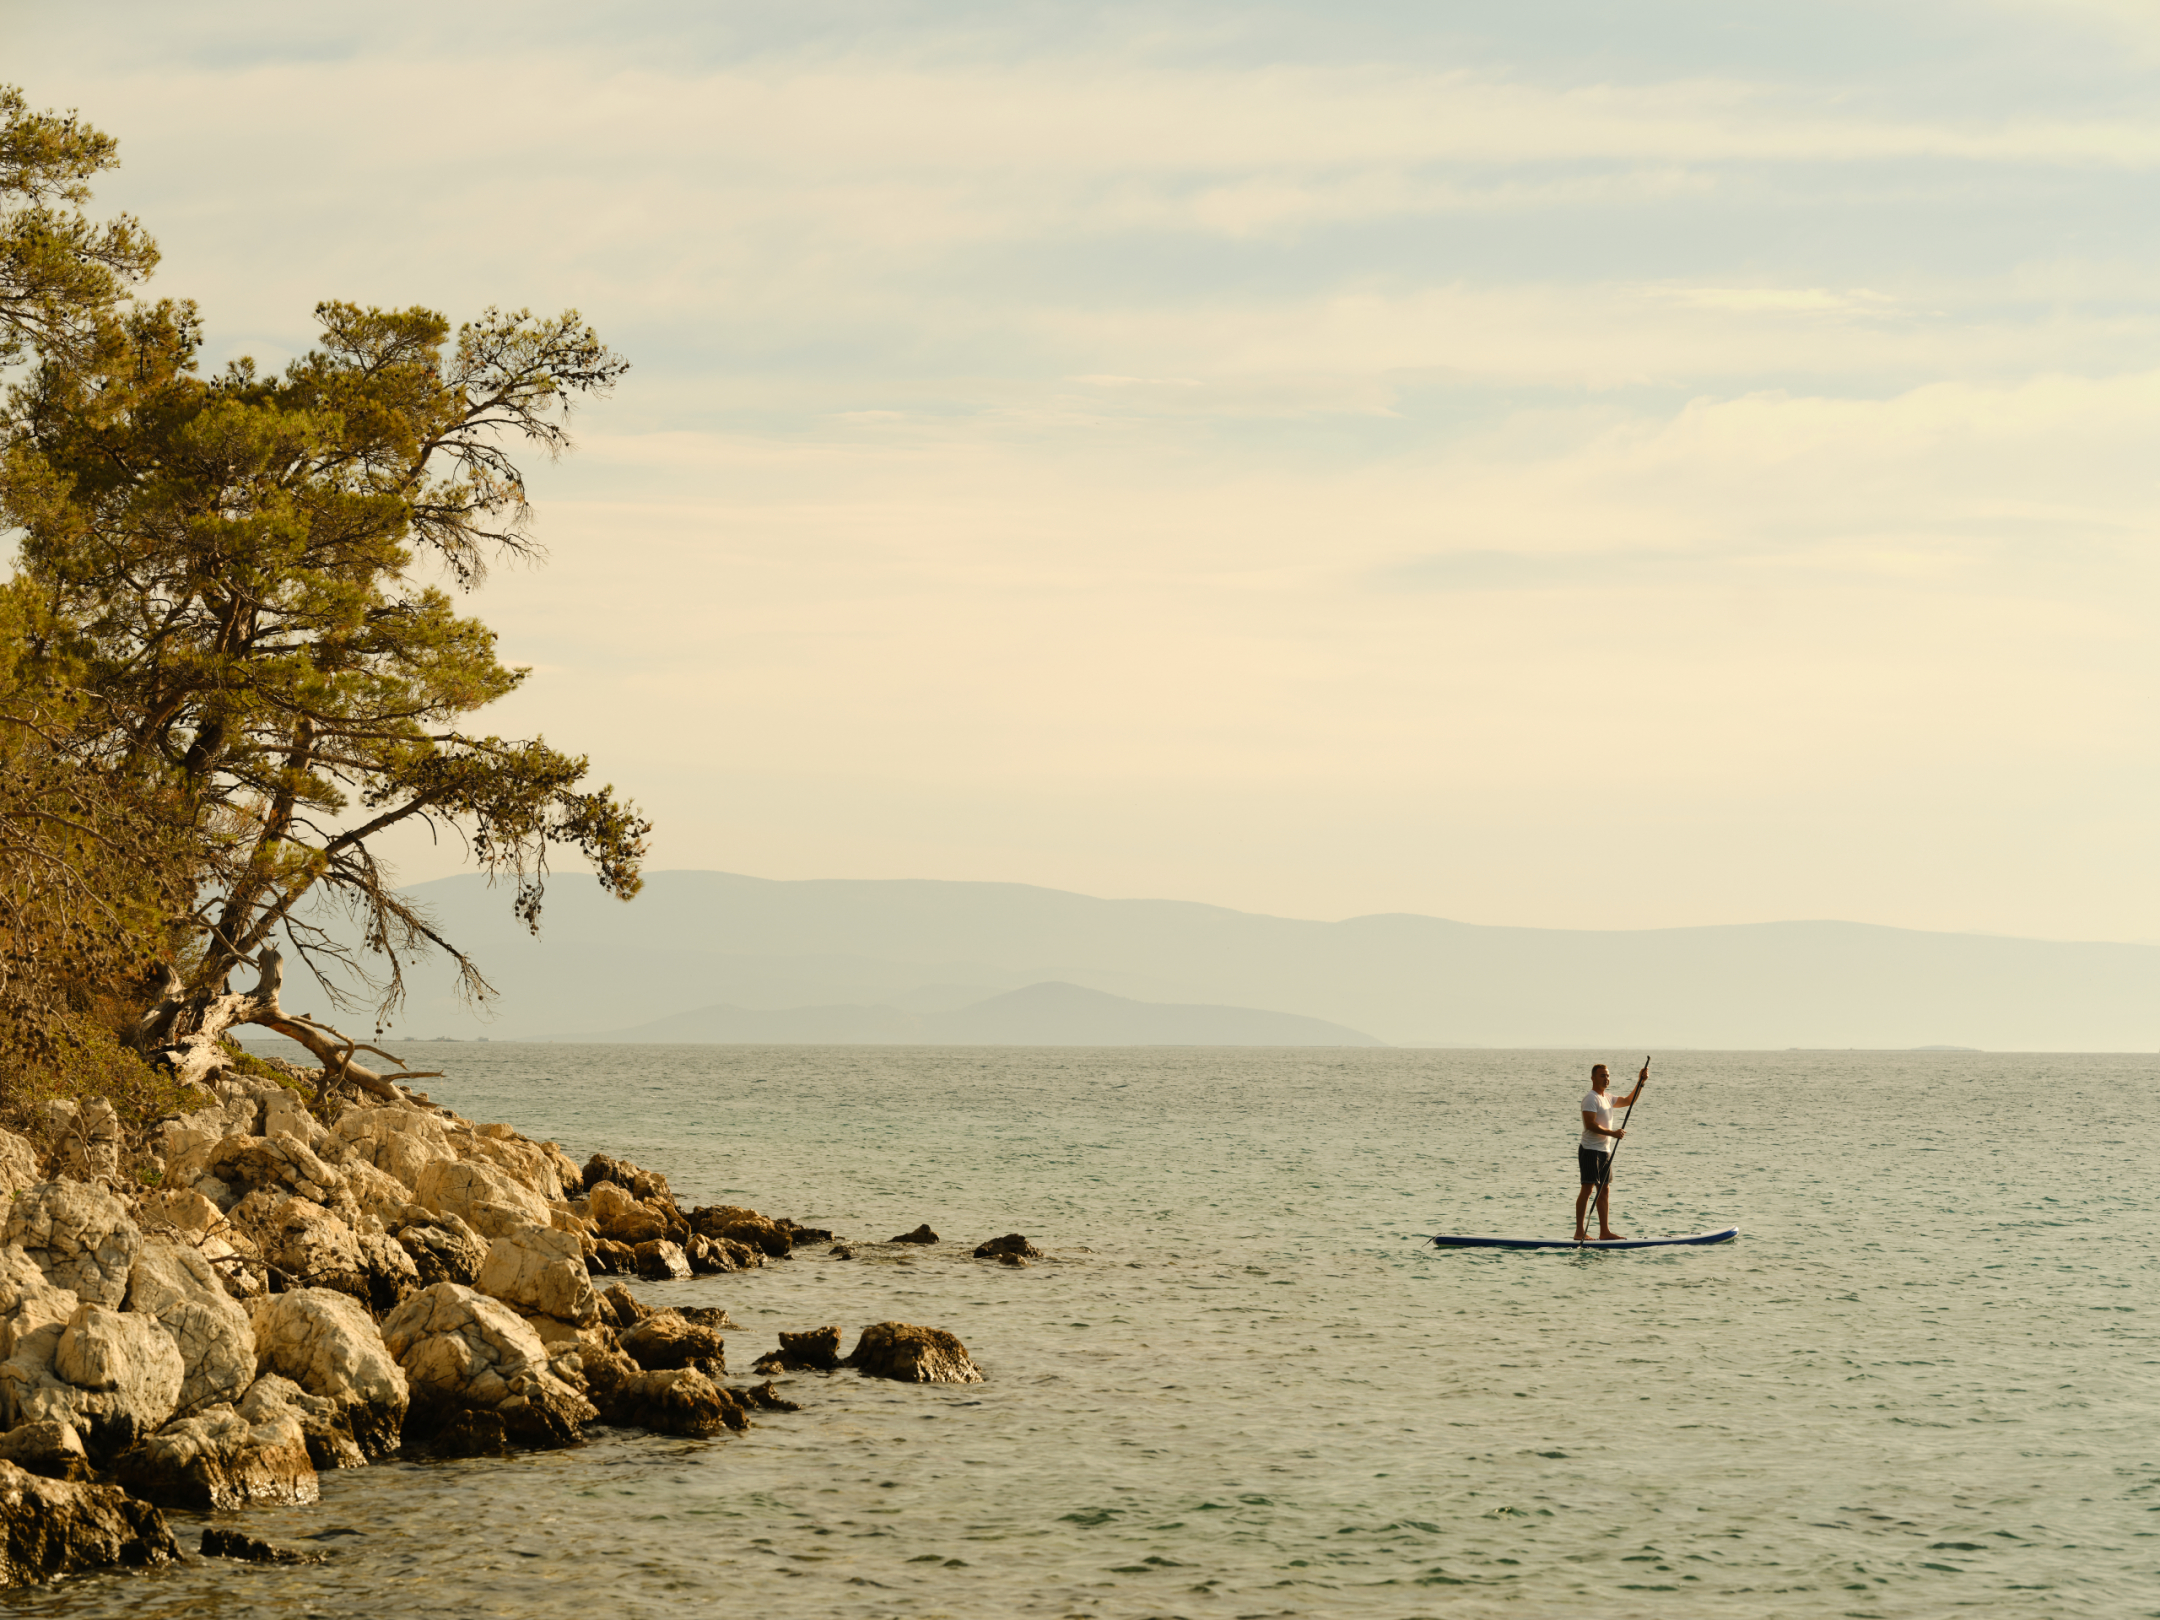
(116, 1377)
(481, 1196)
(465, 1353)
(286, 1114)
(308, 1243)
(178, 1209)
(537, 1269)
(325, 1342)
(279, 1163)
(79, 1235)
(323, 1422)
(18, 1165)
(177, 1287)
(401, 1142)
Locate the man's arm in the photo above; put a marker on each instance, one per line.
(1590, 1124)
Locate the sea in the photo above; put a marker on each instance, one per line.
(1924, 1380)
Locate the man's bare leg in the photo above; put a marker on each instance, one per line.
(1604, 1213)
(1582, 1205)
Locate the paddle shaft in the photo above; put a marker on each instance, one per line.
(1624, 1118)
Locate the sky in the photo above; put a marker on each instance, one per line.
(1545, 463)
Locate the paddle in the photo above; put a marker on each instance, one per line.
(1630, 1114)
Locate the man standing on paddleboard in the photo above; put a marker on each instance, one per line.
(1594, 1156)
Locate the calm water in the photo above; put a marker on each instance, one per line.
(1925, 1379)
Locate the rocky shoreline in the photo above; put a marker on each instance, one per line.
(267, 1287)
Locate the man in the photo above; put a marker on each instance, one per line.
(1594, 1156)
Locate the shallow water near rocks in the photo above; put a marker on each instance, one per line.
(1924, 1379)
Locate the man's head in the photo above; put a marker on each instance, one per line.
(1599, 1079)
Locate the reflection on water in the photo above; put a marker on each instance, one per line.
(1922, 1380)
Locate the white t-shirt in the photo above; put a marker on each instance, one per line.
(1598, 1108)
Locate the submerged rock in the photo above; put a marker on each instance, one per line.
(745, 1226)
(50, 1528)
(680, 1401)
(913, 1355)
(662, 1261)
(223, 1543)
(667, 1339)
(817, 1349)
(921, 1234)
(1012, 1243)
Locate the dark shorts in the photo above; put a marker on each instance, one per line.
(1596, 1167)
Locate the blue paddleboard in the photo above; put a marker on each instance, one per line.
(1724, 1235)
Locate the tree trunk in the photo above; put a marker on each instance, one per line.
(188, 1036)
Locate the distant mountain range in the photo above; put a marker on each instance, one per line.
(714, 956)
(1048, 1014)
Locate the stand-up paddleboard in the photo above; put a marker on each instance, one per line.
(1445, 1241)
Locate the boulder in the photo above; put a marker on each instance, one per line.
(585, 1358)
(1011, 1243)
(18, 1165)
(913, 1355)
(27, 1299)
(537, 1269)
(667, 1339)
(443, 1249)
(282, 1164)
(218, 1460)
(525, 1162)
(376, 1192)
(78, 1235)
(325, 1425)
(178, 1209)
(50, 1528)
(326, 1342)
(401, 1142)
(817, 1349)
(390, 1273)
(798, 1235)
(51, 1448)
(661, 1261)
(764, 1395)
(921, 1234)
(175, 1286)
(479, 1375)
(744, 1226)
(608, 1258)
(620, 1308)
(683, 1401)
(114, 1377)
(624, 1219)
(642, 1185)
(483, 1197)
(285, 1113)
(312, 1246)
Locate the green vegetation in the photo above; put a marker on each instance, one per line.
(230, 655)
